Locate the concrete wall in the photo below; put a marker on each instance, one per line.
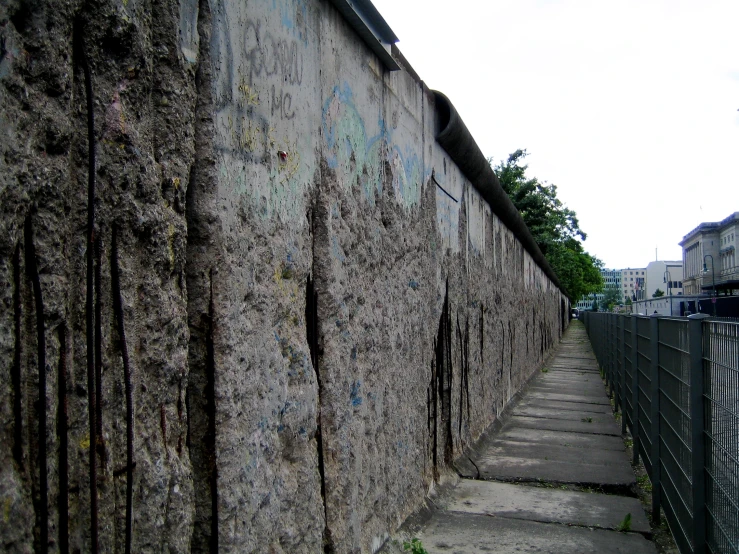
(318, 311)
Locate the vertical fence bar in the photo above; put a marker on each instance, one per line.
(635, 389)
(609, 349)
(607, 360)
(622, 369)
(655, 417)
(614, 362)
(695, 342)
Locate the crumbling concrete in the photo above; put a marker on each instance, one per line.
(259, 279)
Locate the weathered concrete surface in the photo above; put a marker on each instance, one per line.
(564, 407)
(318, 310)
(568, 398)
(564, 438)
(546, 505)
(535, 515)
(472, 534)
(586, 426)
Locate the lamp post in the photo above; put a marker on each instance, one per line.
(668, 280)
(713, 280)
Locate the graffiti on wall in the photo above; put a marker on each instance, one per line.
(359, 159)
(260, 89)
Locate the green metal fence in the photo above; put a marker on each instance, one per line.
(676, 383)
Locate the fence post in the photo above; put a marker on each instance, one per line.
(635, 389)
(654, 416)
(622, 344)
(697, 443)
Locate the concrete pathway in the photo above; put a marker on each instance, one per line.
(516, 493)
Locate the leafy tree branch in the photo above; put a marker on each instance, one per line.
(553, 225)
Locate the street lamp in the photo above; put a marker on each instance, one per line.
(668, 280)
(713, 280)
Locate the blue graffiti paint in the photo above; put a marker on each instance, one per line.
(336, 250)
(356, 400)
(359, 159)
(413, 284)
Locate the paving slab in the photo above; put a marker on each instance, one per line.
(602, 428)
(569, 398)
(576, 362)
(558, 413)
(568, 406)
(458, 533)
(546, 505)
(568, 388)
(558, 381)
(560, 452)
(573, 369)
(614, 478)
(565, 438)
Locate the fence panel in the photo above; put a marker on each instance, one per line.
(643, 424)
(628, 410)
(667, 373)
(721, 382)
(675, 428)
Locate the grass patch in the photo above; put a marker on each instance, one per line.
(625, 525)
(644, 482)
(414, 546)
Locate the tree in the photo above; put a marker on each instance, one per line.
(658, 293)
(628, 301)
(555, 227)
(595, 305)
(611, 297)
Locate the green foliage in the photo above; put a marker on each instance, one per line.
(644, 483)
(625, 525)
(415, 546)
(611, 297)
(628, 301)
(658, 293)
(554, 227)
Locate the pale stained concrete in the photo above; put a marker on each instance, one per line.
(546, 505)
(473, 534)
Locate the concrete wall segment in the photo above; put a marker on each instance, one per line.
(321, 309)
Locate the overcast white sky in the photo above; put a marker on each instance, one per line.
(629, 107)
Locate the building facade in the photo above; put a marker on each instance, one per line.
(709, 257)
(633, 283)
(666, 276)
(611, 279)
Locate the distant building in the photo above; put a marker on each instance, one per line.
(639, 283)
(611, 279)
(666, 276)
(709, 257)
(633, 283)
